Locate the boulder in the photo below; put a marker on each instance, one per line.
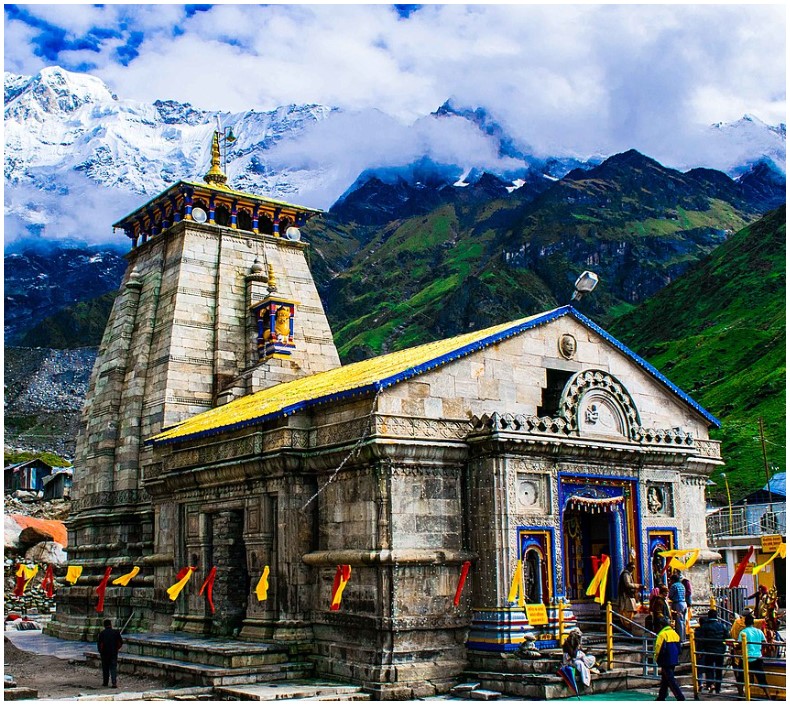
(43, 530)
(25, 495)
(47, 552)
(11, 531)
(31, 535)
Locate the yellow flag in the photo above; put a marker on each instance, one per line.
(30, 573)
(182, 579)
(73, 574)
(598, 583)
(780, 552)
(516, 593)
(124, 579)
(262, 588)
(680, 564)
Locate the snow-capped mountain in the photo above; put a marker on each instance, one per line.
(61, 121)
(77, 157)
(750, 136)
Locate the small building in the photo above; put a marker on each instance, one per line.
(758, 521)
(58, 484)
(28, 475)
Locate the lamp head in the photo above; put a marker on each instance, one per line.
(230, 137)
(586, 282)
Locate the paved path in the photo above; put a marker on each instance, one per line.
(34, 641)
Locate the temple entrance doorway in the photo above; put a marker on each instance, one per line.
(587, 536)
(598, 519)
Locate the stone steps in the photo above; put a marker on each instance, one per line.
(307, 690)
(208, 652)
(203, 674)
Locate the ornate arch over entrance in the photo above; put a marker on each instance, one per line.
(597, 403)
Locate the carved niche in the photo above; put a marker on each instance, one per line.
(532, 494)
(658, 499)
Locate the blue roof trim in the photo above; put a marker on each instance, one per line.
(644, 364)
(443, 360)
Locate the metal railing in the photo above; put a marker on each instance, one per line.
(731, 676)
(710, 668)
(747, 520)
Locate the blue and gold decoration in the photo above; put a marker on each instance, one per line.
(275, 318)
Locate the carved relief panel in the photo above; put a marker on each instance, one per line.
(532, 494)
(658, 499)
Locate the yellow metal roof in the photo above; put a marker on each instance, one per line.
(346, 381)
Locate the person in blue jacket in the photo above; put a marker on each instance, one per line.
(667, 655)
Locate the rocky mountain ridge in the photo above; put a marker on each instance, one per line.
(77, 155)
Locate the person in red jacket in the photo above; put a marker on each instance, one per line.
(109, 643)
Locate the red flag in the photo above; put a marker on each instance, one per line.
(101, 588)
(19, 587)
(48, 583)
(342, 576)
(741, 569)
(464, 572)
(208, 585)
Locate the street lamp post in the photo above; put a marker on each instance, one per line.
(729, 499)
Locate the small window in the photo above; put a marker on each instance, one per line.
(244, 220)
(552, 392)
(222, 215)
(265, 224)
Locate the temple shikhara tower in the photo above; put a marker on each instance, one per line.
(221, 431)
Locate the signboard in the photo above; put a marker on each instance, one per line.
(770, 543)
(537, 615)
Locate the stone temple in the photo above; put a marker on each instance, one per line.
(221, 430)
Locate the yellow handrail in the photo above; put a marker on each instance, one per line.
(609, 637)
(747, 686)
(693, 650)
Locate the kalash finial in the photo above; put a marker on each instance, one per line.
(272, 283)
(215, 175)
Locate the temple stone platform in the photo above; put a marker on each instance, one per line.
(183, 658)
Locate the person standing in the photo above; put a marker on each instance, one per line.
(754, 651)
(677, 601)
(109, 644)
(711, 636)
(627, 591)
(659, 607)
(667, 654)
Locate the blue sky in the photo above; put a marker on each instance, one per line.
(606, 75)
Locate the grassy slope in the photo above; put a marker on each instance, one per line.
(76, 326)
(719, 333)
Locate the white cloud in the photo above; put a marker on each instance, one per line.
(562, 79)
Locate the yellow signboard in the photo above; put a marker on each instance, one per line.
(537, 615)
(770, 543)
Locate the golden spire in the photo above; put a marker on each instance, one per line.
(272, 283)
(215, 175)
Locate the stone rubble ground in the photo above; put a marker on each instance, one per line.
(34, 602)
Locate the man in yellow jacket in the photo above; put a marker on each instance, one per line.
(667, 655)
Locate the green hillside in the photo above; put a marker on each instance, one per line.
(76, 326)
(718, 332)
(477, 260)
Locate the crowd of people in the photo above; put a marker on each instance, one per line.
(717, 642)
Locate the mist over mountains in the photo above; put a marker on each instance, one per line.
(77, 156)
